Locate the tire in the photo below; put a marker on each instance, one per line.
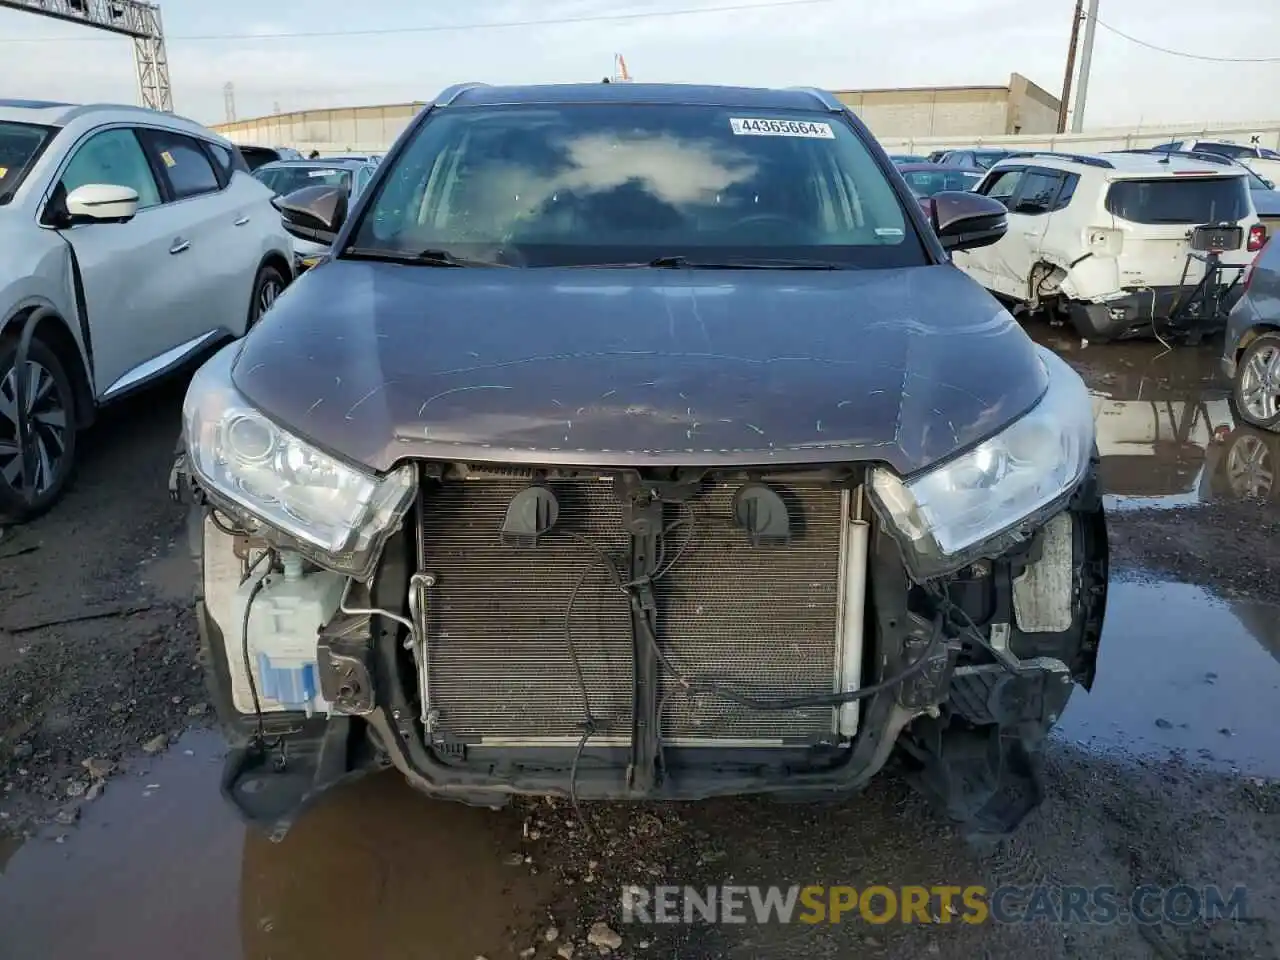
(1252, 409)
(56, 397)
(267, 285)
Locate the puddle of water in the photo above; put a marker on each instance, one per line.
(1165, 428)
(375, 869)
(1176, 667)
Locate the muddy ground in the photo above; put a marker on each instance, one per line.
(1165, 774)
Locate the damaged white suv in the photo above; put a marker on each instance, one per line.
(1119, 243)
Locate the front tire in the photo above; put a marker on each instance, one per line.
(267, 286)
(51, 415)
(1255, 391)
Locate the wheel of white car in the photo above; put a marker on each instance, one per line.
(1256, 390)
(267, 285)
(49, 407)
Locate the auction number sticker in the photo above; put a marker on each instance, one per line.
(757, 127)
(167, 157)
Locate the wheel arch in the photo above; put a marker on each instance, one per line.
(55, 333)
(1252, 334)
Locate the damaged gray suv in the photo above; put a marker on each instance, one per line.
(641, 441)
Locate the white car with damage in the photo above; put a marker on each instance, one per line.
(133, 240)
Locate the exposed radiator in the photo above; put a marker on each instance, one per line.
(762, 620)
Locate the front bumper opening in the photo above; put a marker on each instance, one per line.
(579, 641)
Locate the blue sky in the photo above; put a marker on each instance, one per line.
(832, 43)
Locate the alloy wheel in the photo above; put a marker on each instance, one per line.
(47, 423)
(267, 294)
(1260, 384)
(1250, 472)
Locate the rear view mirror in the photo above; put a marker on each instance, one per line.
(966, 221)
(313, 213)
(102, 203)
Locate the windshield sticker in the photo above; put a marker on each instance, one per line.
(167, 157)
(756, 127)
(321, 173)
(4, 172)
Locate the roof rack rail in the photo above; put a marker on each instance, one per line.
(828, 100)
(450, 94)
(1087, 159)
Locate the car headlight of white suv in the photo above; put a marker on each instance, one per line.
(944, 517)
(275, 483)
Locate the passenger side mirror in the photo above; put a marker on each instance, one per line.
(313, 213)
(101, 203)
(966, 221)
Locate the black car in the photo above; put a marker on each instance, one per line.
(641, 441)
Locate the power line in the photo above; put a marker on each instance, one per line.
(1182, 53)
(450, 27)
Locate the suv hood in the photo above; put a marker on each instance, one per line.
(379, 362)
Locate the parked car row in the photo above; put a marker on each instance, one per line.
(132, 241)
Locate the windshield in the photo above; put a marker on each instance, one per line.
(1232, 150)
(988, 159)
(20, 144)
(581, 184)
(925, 183)
(285, 180)
(1180, 200)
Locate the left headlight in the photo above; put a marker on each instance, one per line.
(341, 516)
(942, 516)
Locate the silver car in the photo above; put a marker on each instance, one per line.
(1251, 355)
(286, 176)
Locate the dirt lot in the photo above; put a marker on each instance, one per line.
(1165, 774)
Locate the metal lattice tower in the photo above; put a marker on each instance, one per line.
(229, 101)
(129, 18)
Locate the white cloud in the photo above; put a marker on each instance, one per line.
(837, 44)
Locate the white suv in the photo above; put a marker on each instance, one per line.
(135, 239)
(1107, 240)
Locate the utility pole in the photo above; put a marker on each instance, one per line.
(130, 18)
(1086, 61)
(1071, 66)
(229, 101)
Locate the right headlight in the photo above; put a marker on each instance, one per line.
(944, 516)
(283, 487)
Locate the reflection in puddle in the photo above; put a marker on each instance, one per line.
(375, 870)
(1166, 432)
(1177, 668)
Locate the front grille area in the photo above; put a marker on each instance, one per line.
(762, 620)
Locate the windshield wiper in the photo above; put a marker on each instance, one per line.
(426, 258)
(681, 262)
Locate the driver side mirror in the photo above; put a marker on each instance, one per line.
(313, 213)
(967, 221)
(101, 203)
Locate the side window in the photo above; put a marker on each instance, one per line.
(186, 166)
(362, 180)
(226, 161)
(1176, 145)
(114, 157)
(1067, 192)
(1003, 185)
(1038, 192)
(963, 160)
